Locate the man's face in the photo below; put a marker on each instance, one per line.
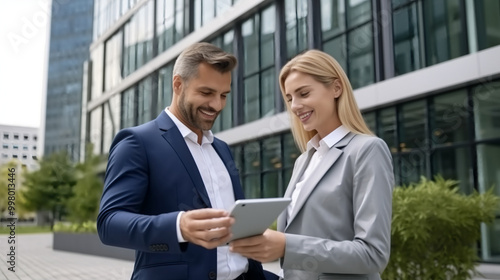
(203, 97)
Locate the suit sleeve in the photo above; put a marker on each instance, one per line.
(369, 251)
(126, 183)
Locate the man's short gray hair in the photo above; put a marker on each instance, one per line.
(186, 65)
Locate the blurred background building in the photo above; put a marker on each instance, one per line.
(19, 144)
(426, 74)
(70, 37)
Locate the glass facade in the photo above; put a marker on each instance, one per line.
(259, 80)
(70, 37)
(427, 32)
(347, 35)
(451, 131)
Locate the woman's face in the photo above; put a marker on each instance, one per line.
(313, 102)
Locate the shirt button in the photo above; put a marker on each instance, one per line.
(212, 275)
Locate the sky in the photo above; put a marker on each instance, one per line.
(24, 26)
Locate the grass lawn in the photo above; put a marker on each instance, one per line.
(4, 229)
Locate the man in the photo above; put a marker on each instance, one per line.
(169, 183)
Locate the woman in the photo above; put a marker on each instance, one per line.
(338, 225)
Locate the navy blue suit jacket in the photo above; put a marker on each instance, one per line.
(150, 177)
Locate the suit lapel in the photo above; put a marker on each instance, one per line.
(311, 183)
(296, 175)
(178, 144)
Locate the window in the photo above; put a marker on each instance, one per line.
(26, 137)
(15, 147)
(16, 136)
(128, 108)
(35, 138)
(488, 23)
(266, 165)
(206, 10)
(144, 100)
(5, 146)
(164, 87)
(296, 26)
(5, 156)
(259, 82)
(25, 156)
(34, 157)
(5, 136)
(170, 25)
(25, 148)
(225, 119)
(14, 156)
(347, 36)
(427, 32)
(112, 65)
(96, 129)
(34, 148)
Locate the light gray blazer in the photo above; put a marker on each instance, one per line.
(340, 227)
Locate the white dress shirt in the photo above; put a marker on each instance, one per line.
(322, 147)
(219, 189)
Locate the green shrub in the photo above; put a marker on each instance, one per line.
(85, 227)
(435, 229)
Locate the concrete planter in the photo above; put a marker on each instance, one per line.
(89, 243)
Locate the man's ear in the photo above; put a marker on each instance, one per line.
(337, 88)
(177, 84)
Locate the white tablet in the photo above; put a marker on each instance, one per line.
(254, 216)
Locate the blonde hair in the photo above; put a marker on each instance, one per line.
(324, 69)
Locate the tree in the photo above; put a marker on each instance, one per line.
(5, 181)
(49, 187)
(84, 205)
(435, 229)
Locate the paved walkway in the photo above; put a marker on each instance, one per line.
(35, 260)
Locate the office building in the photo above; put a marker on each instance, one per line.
(70, 37)
(425, 73)
(19, 144)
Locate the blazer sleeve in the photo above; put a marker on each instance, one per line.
(120, 222)
(369, 251)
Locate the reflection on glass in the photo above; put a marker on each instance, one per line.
(144, 100)
(488, 23)
(387, 128)
(371, 121)
(359, 11)
(489, 177)
(296, 26)
(271, 154)
(412, 126)
(96, 129)
(164, 88)
(406, 40)
(449, 118)
(454, 164)
(271, 183)
(251, 186)
(251, 157)
(267, 37)
(360, 51)
(337, 49)
(268, 92)
(290, 150)
(445, 37)
(332, 18)
(412, 166)
(250, 45)
(251, 98)
(487, 110)
(128, 108)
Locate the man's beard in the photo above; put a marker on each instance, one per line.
(190, 114)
